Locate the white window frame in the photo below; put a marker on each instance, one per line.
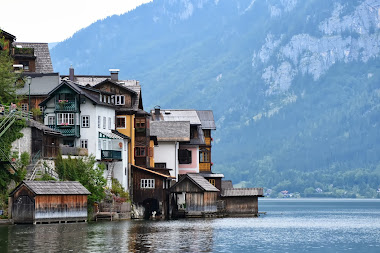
(109, 122)
(51, 120)
(99, 122)
(119, 100)
(84, 143)
(85, 123)
(63, 118)
(24, 107)
(147, 183)
(104, 122)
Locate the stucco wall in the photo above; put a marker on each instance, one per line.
(23, 144)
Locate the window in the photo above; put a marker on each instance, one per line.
(51, 120)
(194, 132)
(109, 122)
(109, 99)
(120, 122)
(160, 165)
(120, 100)
(99, 144)
(212, 181)
(25, 65)
(85, 121)
(184, 156)
(204, 156)
(104, 122)
(140, 123)
(207, 133)
(84, 143)
(147, 183)
(24, 107)
(99, 123)
(41, 108)
(65, 119)
(140, 151)
(100, 97)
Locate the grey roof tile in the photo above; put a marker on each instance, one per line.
(41, 84)
(207, 119)
(170, 130)
(42, 53)
(56, 187)
(242, 192)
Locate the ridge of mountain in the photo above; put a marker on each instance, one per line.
(294, 85)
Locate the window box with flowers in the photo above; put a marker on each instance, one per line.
(62, 102)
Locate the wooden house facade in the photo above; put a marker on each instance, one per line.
(150, 190)
(194, 196)
(241, 201)
(48, 202)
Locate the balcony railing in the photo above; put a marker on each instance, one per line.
(67, 130)
(111, 154)
(69, 106)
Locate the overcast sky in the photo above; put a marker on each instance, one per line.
(56, 20)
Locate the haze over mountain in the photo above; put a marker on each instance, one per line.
(294, 84)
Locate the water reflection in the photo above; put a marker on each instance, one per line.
(123, 236)
(289, 226)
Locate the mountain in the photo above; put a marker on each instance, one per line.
(294, 84)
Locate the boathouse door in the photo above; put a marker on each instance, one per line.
(23, 210)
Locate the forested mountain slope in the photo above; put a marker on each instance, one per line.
(294, 85)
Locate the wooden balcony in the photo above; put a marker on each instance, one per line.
(70, 106)
(67, 131)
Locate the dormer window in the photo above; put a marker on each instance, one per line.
(119, 100)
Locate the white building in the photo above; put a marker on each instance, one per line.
(86, 118)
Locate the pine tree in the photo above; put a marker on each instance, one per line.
(8, 77)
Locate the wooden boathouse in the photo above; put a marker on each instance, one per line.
(194, 196)
(43, 202)
(241, 201)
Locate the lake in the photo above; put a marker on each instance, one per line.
(290, 225)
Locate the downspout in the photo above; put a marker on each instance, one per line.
(176, 161)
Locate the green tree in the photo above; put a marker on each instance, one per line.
(86, 172)
(8, 77)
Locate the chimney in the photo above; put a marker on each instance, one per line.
(71, 73)
(114, 74)
(157, 112)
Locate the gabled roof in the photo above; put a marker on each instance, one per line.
(181, 115)
(116, 84)
(42, 53)
(242, 192)
(207, 119)
(151, 171)
(7, 35)
(170, 130)
(87, 92)
(198, 180)
(54, 188)
(136, 87)
(42, 84)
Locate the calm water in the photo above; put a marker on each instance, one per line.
(289, 226)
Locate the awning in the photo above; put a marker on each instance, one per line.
(106, 135)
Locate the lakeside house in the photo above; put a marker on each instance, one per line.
(40, 202)
(163, 158)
